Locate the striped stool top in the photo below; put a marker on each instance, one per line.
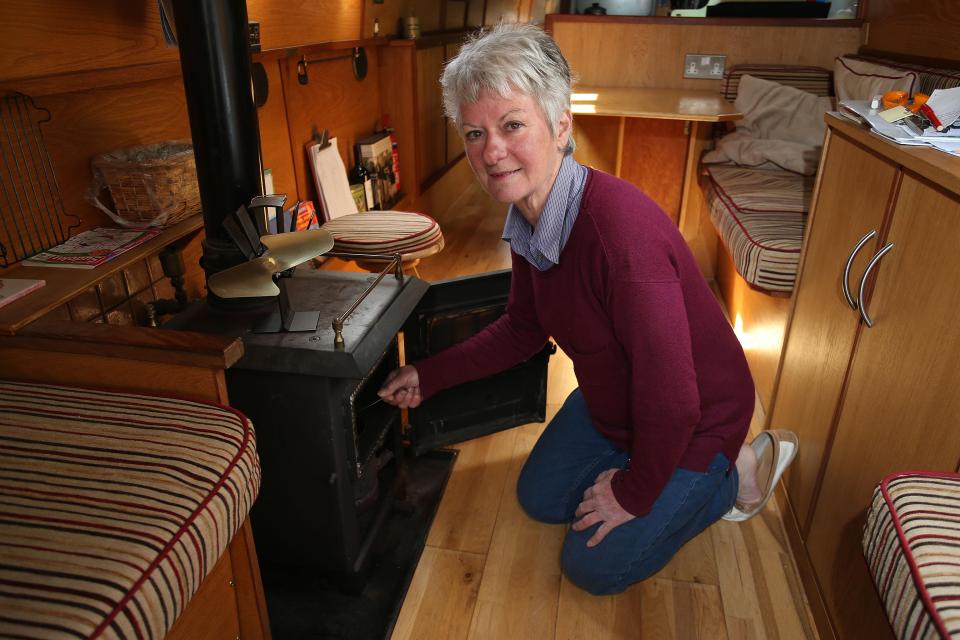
(761, 215)
(113, 507)
(912, 545)
(414, 235)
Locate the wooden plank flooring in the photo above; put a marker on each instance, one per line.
(490, 572)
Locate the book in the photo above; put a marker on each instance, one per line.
(377, 154)
(91, 248)
(15, 288)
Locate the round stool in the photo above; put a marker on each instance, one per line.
(412, 235)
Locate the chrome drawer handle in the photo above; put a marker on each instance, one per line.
(863, 282)
(846, 270)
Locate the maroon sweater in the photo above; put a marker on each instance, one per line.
(661, 371)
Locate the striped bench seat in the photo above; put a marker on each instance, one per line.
(115, 506)
(760, 215)
(912, 545)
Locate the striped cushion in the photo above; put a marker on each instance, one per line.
(760, 215)
(911, 545)
(928, 78)
(384, 232)
(813, 80)
(114, 507)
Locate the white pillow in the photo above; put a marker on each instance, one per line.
(774, 111)
(861, 80)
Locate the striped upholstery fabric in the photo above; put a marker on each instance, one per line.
(760, 215)
(912, 545)
(810, 79)
(928, 78)
(384, 232)
(113, 507)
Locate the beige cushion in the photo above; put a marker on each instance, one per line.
(774, 111)
(782, 128)
(856, 79)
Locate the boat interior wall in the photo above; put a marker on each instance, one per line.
(915, 29)
(654, 52)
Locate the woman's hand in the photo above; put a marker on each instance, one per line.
(600, 505)
(402, 388)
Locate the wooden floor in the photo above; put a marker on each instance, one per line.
(490, 572)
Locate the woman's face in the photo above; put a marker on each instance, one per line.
(511, 150)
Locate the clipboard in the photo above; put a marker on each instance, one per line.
(330, 178)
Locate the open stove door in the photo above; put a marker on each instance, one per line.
(450, 312)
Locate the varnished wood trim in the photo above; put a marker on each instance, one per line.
(87, 80)
(943, 63)
(251, 602)
(133, 343)
(338, 45)
(800, 266)
(440, 38)
(808, 576)
(553, 18)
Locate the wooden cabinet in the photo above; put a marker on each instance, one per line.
(867, 401)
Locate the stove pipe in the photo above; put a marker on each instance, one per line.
(215, 61)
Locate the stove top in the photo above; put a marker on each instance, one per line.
(366, 332)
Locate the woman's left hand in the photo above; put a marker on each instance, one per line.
(600, 505)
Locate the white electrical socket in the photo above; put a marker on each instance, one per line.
(704, 66)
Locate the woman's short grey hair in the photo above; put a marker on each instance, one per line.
(506, 58)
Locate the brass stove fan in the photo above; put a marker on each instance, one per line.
(283, 251)
(268, 256)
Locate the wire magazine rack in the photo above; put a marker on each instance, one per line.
(32, 214)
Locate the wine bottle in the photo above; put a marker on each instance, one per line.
(360, 175)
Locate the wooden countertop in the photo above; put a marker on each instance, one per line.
(63, 284)
(934, 165)
(663, 104)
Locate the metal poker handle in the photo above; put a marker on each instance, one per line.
(846, 270)
(395, 264)
(863, 282)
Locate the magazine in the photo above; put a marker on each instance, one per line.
(15, 288)
(91, 248)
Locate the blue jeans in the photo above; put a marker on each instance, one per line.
(567, 459)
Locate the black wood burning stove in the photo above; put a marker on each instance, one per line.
(332, 454)
(332, 457)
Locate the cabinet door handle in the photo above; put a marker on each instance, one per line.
(863, 282)
(845, 283)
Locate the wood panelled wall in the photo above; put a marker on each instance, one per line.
(928, 29)
(601, 49)
(102, 70)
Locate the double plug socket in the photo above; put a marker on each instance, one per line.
(705, 66)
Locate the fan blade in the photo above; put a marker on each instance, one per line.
(291, 249)
(248, 280)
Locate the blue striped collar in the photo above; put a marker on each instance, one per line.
(541, 246)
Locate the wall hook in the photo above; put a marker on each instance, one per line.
(358, 56)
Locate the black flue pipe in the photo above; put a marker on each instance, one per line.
(215, 61)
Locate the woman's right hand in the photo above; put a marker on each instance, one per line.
(402, 388)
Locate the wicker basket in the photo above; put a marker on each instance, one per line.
(151, 185)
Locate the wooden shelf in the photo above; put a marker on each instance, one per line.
(553, 18)
(62, 284)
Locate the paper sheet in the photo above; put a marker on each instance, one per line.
(950, 146)
(330, 179)
(946, 104)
